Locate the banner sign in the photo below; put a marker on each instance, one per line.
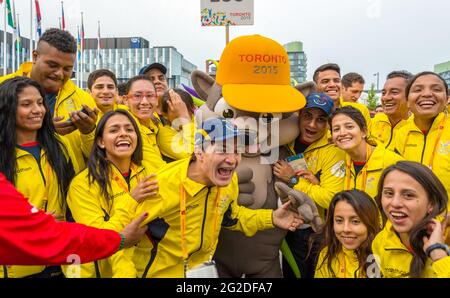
(227, 12)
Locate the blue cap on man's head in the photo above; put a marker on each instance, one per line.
(321, 101)
(156, 65)
(216, 130)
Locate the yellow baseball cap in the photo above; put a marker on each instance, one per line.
(255, 74)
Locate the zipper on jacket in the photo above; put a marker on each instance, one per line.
(153, 253)
(392, 134)
(97, 270)
(424, 146)
(5, 272)
(203, 223)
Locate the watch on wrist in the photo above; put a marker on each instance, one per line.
(293, 181)
(437, 246)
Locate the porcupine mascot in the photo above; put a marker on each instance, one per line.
(253, 90)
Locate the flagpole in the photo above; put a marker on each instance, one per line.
(13, 41)
(82, 52)
(17, 41)
(78, 55)
(98, 47)
(31, 30)
(5, 32)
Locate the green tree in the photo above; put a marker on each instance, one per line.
(372, 98)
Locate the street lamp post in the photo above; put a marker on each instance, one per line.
(378, 80)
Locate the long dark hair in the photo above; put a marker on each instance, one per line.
(98, 165)
(55, 151)
(437, 197)
(367, 211)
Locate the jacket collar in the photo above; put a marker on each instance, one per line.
(322, 142)
(436, 122)
(134, 170)
(21, 152)
(191, 187)
(391, 240)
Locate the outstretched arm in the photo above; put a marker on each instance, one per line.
(28, 236)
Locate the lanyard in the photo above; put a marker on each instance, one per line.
(363, 172)
(120, 180)
(438, 139)
(184, 248)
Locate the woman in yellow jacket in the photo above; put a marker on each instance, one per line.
(33, 157)
(142, 101)
(426, 137)
(364, 161)
(411, 244)
(352, 224)
(106, 194)
(176, 138)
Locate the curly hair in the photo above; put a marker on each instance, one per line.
(62, 40)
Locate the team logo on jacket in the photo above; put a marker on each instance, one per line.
(444, 149)
(338, 170)
(223, 204)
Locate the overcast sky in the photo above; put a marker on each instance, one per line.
(365, 36)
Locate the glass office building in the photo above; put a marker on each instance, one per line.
(21, 54)
(126, 56)
(297, 58)
(444, 70)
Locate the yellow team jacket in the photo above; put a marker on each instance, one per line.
(39, 184)
(90, 207)
(207, 210)
(100, 113)
(70, 98)
(177, 144)
(345, 265)
(394, 259)
(152, 158)
(432, 149)
(327, 162)
(367, 179)
(383, 132)
(364, 111)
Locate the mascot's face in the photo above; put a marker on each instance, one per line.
(262, 129)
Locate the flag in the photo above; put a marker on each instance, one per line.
(38, 18)
(18, 38)
(10, 15)
(82, 32)
(78, 44)
(63, 20)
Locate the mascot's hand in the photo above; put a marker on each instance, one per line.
(301, 203)
(246, 186)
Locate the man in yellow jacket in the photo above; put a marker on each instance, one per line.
(386, 125)
(328, 80)
(52, 67)
(198, 198)
(323, 177)
(102, 86)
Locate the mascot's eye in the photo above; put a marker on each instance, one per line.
(228, 113)
(267, 118)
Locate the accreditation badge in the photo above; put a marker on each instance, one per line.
(205, 270)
